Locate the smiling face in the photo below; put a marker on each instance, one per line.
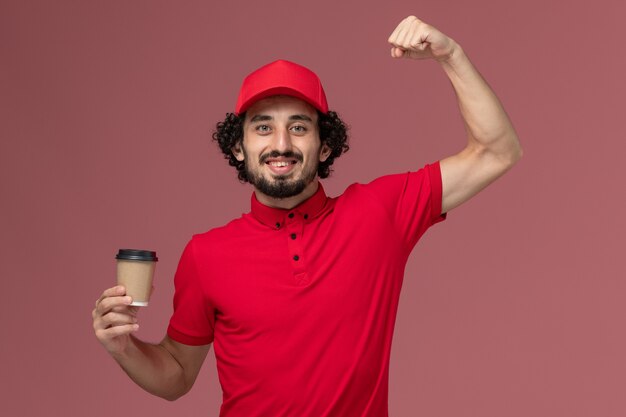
(281, 149)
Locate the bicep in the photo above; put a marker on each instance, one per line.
(467, 173)
(190, 358)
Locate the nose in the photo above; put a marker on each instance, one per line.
(282, 140)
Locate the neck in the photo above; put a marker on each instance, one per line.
(289, 202)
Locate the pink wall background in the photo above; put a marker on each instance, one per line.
(513, 307)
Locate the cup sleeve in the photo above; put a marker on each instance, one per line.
(193, 320)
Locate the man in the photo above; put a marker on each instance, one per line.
(299, 296)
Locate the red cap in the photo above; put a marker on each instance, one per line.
(282, 78)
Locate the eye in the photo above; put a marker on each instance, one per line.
(299, 129)
(262, 128)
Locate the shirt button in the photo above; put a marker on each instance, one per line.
(295, 258)
(306, 216)
(293, 236)
(291, 215)
(278, 225)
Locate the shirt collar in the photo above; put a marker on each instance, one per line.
(275, 217)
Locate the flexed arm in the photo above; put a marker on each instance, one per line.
(492, 143)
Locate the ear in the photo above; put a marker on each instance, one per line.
(237, 151)
(324, 152)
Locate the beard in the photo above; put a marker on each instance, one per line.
(280, 186)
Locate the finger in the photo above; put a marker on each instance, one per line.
(428, 36)
(112, 332)
(400, 30)
(110, 292)
(394, 35)
(114, 318)
(110, 303)
(117, 319)
(418, 54)
(397, 52)
(418, 39)
(415, 33)
(402, 34)
(412, 26)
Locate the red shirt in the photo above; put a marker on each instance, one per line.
(301, 304)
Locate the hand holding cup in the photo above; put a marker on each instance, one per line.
(114, 319)
(115, 313)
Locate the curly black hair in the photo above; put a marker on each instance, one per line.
(333, 132)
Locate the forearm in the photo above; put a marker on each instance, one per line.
(489, 127)
(152, 367)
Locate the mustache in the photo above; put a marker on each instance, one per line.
(276, 154)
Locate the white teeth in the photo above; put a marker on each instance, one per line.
(279, 164)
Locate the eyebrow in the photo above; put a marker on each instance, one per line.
(302, 117)
(260, 117)
(264, 117)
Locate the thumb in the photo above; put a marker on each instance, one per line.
(397, 52)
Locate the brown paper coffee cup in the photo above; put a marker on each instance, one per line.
(135, 271)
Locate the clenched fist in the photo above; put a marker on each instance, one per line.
(415, 39)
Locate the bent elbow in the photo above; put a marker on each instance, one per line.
(519, 152)
(173, 396)
(514, 154)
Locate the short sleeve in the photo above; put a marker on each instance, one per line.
(193, 320)
(413, 201)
